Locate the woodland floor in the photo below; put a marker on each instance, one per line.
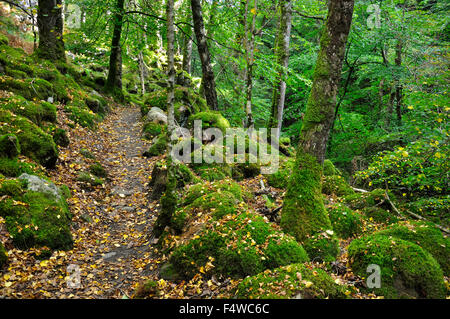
(112, 224)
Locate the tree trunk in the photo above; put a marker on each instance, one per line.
(208, 81)
(282, 56)
(398, 86)
(304, 214)
(249, 45)
(114, 80)
(169, 199)
(50, 24)
(142, 73)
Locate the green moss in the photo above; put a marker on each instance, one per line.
(3, 39)
(210, 120)
(34, 142)
(426, 236)
(79, 113)
(374, 198)
(150, 130)
(407, 271)
(148, 289)
(198, 190)
(336, 185)
(36, 112)
(9, 146)
(159, 147)
(329, 169)
(98, 170)
(213, 172)
(237, 245)
(87, 178)
(35, 219)
(323, 247)
(14, 167)
(3, 253)
(346, 223)
(288, 282)
(13, 188)
(60, 137)
(280, 179)
(303, 212)
(86, 153)
(379, 215)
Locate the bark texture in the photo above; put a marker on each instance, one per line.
(304, 214)
(208, 80)
(50, 24)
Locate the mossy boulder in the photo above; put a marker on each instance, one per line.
(89, 180)
(3, 253)
(280, 179)
(216, 204)
(379, 215)
(296, 281)
(158, 181)
(210, 119)
(9, 146)
(151, 130)
(426, 236)
(407, 270)
(322, 247)
(336, 185)
(60, 137)
(35, 143)
(14, 167)
(237, 246)
(159, 146)
(98, 170)
(37, 112)
(198, 190)
(35, 218)
(346, 223)
(213, 172)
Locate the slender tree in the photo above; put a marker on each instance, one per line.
(304, 214)
(282, 56)
(169, 199)
(208, 80)
(50, 24)
(249, 45)
(114, 80)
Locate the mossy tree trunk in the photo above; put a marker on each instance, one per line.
(114, 80)
(50, 24)
(303, 212)
(208, 80)
(282, 56)
(169, 199)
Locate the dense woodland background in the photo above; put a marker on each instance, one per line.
(92, 205)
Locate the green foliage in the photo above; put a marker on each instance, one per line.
(237, 245)
(293, 281)
(346, 223)
(418, 169)
(407, 271)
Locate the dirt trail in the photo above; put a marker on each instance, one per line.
(111, 224)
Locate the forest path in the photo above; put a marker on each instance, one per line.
(111, 223)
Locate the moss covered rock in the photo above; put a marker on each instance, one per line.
(280, 179)
(346, 223)
(289, 282)
(407, 270)
(14, 167)
(376, 197)
(37, 112)
(198, 190)
(34, 143)
(9, 146)
(379, 215)
(60, 137)
(426, 236)
(89, 179)
(329, 169)
(35, 218)
(322, 247)
(336, 185)
(159, 146)
(98, 170)
(151, 130)
(237, 245)
(210, 119)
